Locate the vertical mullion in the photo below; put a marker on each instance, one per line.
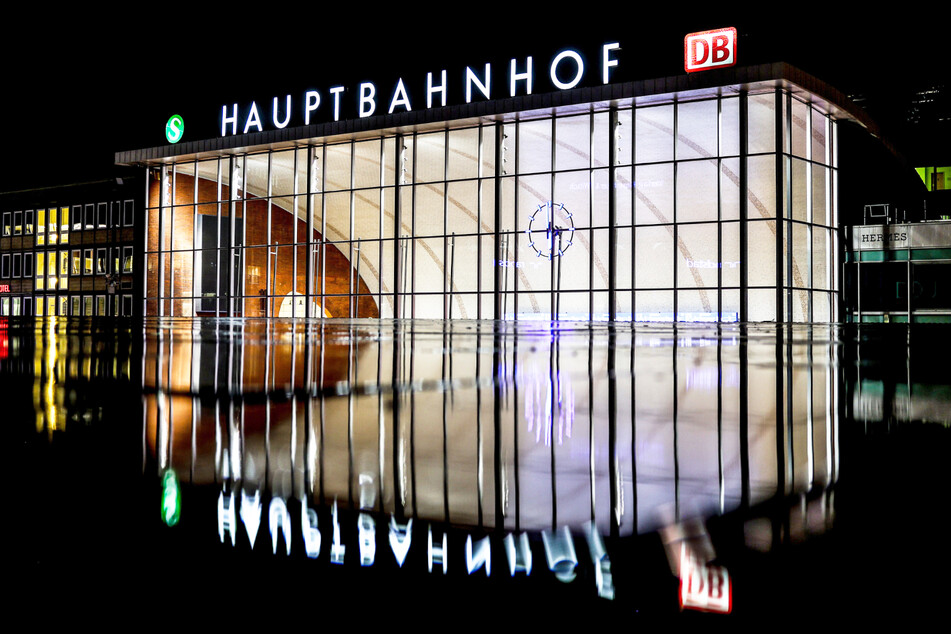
(676, 246)
(269, 290)
(196, 239)
(744, 209)
(612, 206)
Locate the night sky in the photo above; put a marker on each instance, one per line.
(103, 90)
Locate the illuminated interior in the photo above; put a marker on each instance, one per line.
(450, 220)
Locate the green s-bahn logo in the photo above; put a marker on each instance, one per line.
(174, 128)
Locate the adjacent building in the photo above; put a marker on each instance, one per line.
(71, 250)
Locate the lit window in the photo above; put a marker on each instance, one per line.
(51, 271)
(126, 259)
(77, 262)
(28, 222)
(64, 225)
(40, 226)
(40, 271)
(101, 262)
(63, 270)
(52, 226)
(17, 223)
(7, 227)
(87, 262)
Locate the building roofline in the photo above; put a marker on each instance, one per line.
(664, 89)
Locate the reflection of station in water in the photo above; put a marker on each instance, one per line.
(524, 429)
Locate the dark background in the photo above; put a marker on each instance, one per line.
(78, 87)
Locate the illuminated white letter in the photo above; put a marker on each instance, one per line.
(251, 514)
(254, 119)
(335, 91)
(438, 554)
(482, 556)
(560, 553)
(472, 79)
(337, 550)
(226, 520)
(606, 61)
(279, 520)
(520, 559)
(400, 538)
(308, 522)
(311, 102)
(233, 119)
(554, 67)
(400, 98)
(367, 531)
(287, 113)
(430, 89)
(527, 76)
(367, 101)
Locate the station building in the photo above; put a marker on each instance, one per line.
(71, 250)
(708, 196)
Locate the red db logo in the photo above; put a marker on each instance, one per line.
(710, 49)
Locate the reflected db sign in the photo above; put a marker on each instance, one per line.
(710, 49)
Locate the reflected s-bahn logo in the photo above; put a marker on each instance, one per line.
(710, 49)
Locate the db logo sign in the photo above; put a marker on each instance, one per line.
(710, 49)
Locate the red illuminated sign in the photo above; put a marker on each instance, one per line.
(704, 586)
(4, 288)
(710, 49)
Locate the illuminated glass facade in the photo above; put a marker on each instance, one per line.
(702, 206)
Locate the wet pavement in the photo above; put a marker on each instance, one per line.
(410, 468)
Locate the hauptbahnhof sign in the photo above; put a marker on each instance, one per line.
(565, 70)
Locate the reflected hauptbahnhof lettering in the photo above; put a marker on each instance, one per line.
(600, 461)
(393, 351)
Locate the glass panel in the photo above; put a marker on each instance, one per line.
(762, 253)
(336, 174)
(653, 252)
(534, 146)
(697, 191)
(573, 140)
(464, 153)
(729, 126)
(820, 195)
(697, 129)
(654, 194)
(800, 190)
(430, 157)
(762, 187)
(761, 127)
(801, 122)
(366, 168)
(697, 260)
(463, 207)
(283, 174)
(654, 130)
(730, 189)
